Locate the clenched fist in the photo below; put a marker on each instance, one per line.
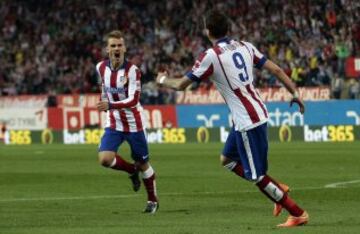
(103, 106)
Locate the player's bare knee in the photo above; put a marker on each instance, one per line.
(105, 159)
(224, 160)
(143, 166)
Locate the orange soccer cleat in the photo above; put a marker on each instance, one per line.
(293, 221)
(277, 207)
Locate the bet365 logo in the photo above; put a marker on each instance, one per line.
(329, 133)
(19, 137)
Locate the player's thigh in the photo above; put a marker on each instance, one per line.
(253, 151)
(110, 141)
(230, 150)
(139, 147)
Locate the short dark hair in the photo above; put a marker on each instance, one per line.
(217, 24)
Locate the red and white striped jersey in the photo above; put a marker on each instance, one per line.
(122, 89)
(229, 64)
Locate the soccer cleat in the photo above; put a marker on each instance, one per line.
(151, 207)
(293, 221)
(278, 207)
(135, 181)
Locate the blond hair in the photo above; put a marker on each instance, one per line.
(114, 34)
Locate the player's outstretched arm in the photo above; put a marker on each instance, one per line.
(289, 85)
(177, 84)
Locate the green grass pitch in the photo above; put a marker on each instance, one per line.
(62, 189)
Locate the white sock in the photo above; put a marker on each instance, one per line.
(113, 162)
(230, 166)
(148, 173)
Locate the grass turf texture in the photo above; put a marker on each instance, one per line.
(62, 189)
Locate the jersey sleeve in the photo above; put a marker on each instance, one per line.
(134, 88)
(202, 69)
(99, 73)
(259, 59)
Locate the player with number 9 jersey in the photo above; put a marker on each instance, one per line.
(229, 64)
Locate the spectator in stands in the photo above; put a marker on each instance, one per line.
(354, 89)
(44, 47)
(337, 86)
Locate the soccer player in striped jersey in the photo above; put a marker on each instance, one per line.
(229, 65)
(120, 83)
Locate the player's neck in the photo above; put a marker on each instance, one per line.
(214, 41)
(116, 64)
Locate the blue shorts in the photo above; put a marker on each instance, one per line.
(112, 139)
(250, 148)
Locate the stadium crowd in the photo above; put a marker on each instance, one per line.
(51, 47)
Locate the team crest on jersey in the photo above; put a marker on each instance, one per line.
(123, 79)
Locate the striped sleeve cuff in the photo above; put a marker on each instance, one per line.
(192, 77)
(261, 62)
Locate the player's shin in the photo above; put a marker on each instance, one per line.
(274, 192)
(120, 164)
(150, 184)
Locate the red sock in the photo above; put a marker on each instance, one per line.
(122, 165)
(273, 191)
(150, 184)
(236, 168)
(291, 206)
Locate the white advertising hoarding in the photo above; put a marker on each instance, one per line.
(22, 118)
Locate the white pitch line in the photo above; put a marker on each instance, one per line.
(135, 195)
(341, 184)
(111, 196)
(69, 198)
